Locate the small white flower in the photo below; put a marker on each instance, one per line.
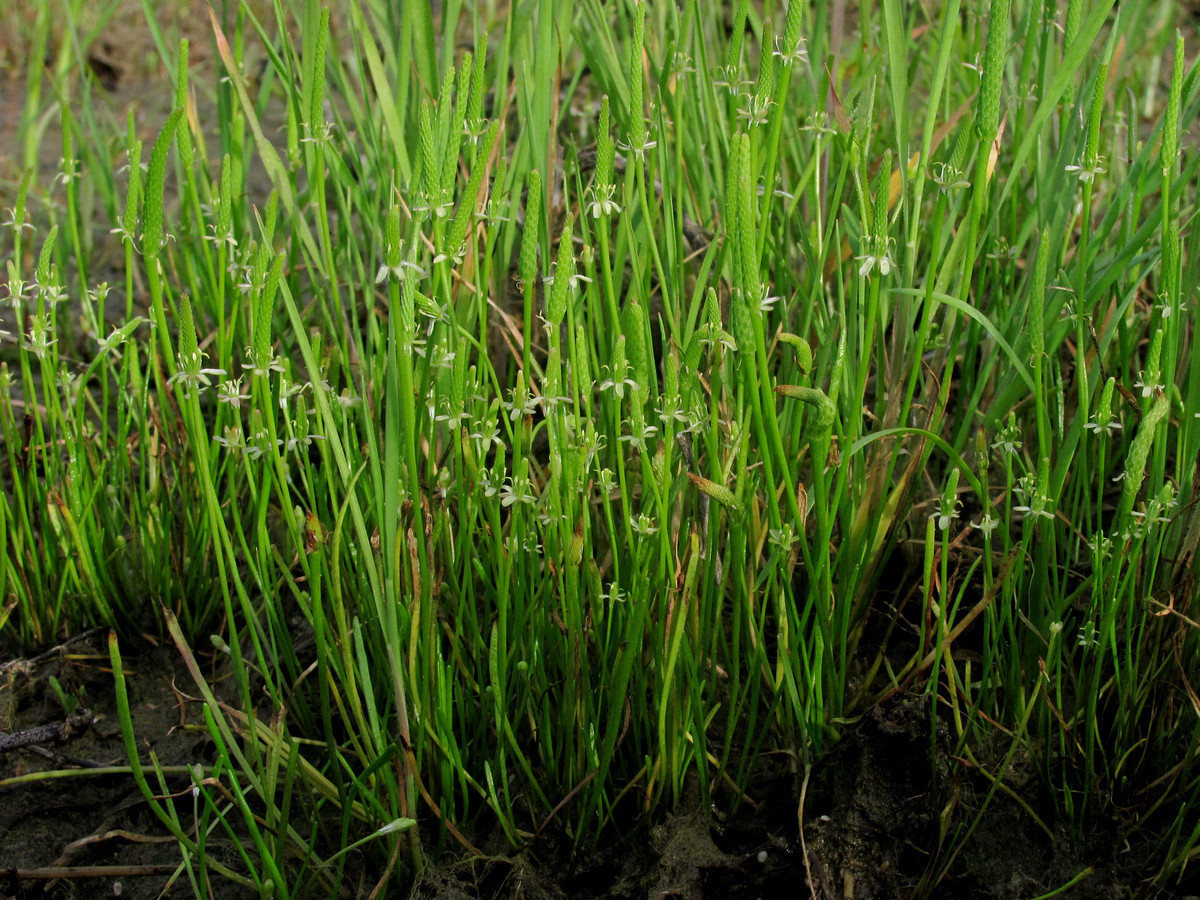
(40, 329)
(987, 525)
(11, 222)
(227, 239)
(949, 178)
(487, 436)
(233, 441)
(755, 111)
(1087, 174)
(608, 482)
(489, 485)
(1148, 387)
(520, 408)
(766, 303)
(878, 259)
(398, 272)
(1037, 507)
(643, 524)
(602, 203)
(1088, 636)
(262, 368)
(637, 150)
(516, 491)
(796, 54)
(618, 385)
(231, 392)
(1108, 426)
(613, 595)
(192, 376)
(944, 515)
(784, 537)
(639, 440)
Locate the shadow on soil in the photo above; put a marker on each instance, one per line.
(877, 810)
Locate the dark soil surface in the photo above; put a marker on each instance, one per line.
(883, 816)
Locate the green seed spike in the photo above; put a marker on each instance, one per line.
(449, 141)
(1091, 154)
(718, 492)
(804, 354)
(529, 236)
(225, 207)
(186, 150)
(189, 348)
(564, 274)
(747, 247)
(316, 115)
(46, 257)
(792, 28)
(605, 149)
(633, 329)
(429, 174)
(581, 367)
(463, 91)
(733, 58)
(825, 411)
(263, 309)
(882, 181)
(1170, 141)
(987, 121)
(391, 235)
(475, 106)
(1135, 462)
(270, 218)
(156, 178)
(764, 88)
(1037, 301)
(457, 237)
(637, 119)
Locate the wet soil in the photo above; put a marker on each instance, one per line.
(889, 812)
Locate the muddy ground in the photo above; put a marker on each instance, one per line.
(879, 818)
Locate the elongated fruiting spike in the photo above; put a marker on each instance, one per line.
(718, 492)
(316, 115)
(529, 238)
(804, 354)
(733, 58)
(189, 348)
(456, 238)
(1037, 303)
(1091, 153)
(605, 149)
(263, 309)
(764, 88)
(987, 121)
(564, 274)
(1135, 462)
(445, 112)
(637, 120)
(429, 175)
(156, 176)
(791, 31)
(633, 329)
(475, 105)
(881, 199)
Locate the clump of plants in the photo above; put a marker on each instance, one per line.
(539, 417)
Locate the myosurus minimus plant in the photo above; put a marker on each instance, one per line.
(548, 409)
